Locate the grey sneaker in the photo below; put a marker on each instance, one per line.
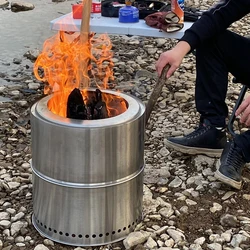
(231, 165)
(205, 139)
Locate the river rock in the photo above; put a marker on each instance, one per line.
(17, 6)
(4, 3)
(135, 238)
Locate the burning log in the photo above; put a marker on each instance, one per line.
(98, 106)
(95, 108)
(75, 106)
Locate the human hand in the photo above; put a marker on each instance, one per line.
(172, 57)
(244, 112)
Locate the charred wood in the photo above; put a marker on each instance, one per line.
(94, 107)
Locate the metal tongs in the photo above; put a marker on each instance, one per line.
(236, 106)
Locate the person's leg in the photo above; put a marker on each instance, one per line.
(236, 153)
(214, 59)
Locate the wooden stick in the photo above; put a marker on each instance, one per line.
(84, 40)
(156, 92)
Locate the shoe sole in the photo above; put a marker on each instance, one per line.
(194, 150)
(218, 175)
(236, 184)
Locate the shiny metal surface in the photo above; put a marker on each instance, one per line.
(76, 151)
(87, 175)
(87, 216)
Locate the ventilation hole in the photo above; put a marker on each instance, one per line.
(107, 234)
(45, 226)
(113, 232)
(93, 236)
(38, 221)
(129, 226)
(133, 223)
(61, 233)
(41, 224)
(67, 234)
(73, 235)
(100, 235)
(50, 229)
(119, 230)
(80, 236)
(55, 231)
(124, 228)
(87, 236)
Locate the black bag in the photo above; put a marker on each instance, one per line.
(190, 14)
(111, 8)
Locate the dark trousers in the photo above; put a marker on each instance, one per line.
(229, 52)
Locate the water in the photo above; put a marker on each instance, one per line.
(23, 31)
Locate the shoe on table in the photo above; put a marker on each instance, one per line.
(205, 139)
(231, 165)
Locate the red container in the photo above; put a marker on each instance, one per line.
(77, 11)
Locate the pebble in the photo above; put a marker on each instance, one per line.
(216, 207)
(135, 238)
(177, 236)
(228, 220)
(4, 3)
(41, 247)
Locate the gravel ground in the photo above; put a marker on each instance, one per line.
(184, 206)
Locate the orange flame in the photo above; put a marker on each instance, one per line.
(63, 70)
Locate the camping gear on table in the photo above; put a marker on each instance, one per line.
(111, 9)
(166, 21)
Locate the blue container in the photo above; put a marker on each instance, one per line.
(128, 14)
